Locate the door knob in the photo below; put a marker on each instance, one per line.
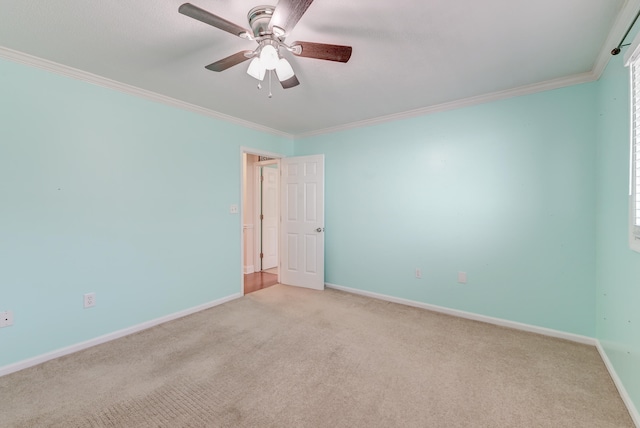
(320, 229)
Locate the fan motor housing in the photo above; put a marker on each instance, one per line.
(259, 18)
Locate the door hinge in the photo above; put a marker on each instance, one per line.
(261, 255)
(262, 178)
(261, 216)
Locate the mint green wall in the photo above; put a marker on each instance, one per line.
(503, 191)
(618, 268)
(105, 192)
(101, 191)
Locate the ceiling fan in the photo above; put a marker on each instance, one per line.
(269, 27)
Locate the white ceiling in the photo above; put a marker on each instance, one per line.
(407, 54)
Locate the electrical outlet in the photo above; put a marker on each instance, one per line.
(89, 300)
(6, 318)
(233, 209)
(418, 273)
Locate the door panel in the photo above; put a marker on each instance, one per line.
(270, 217)
(302, 202)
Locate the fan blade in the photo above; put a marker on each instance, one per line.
(337, 53)
(229, 61)
(209, 18)
(290, 82)
(288, 13)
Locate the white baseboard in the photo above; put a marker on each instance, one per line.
(515, 325)
(633, 412)
(469, 315)
(249, 269)
(11, 368)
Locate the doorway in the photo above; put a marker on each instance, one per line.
(261, 219)
(299, 218)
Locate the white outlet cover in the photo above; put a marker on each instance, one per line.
(89, 300)
(6, 318)
(233, 209)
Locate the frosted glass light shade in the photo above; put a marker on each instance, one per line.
(284, 70)
(269, 57)
(256, 69)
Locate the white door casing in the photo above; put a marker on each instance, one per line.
(302, 221)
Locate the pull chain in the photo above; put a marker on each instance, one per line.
(270, 94)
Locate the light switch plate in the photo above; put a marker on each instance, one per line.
(6, 318)
(462, 277)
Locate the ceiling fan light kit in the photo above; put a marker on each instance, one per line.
(256, 69)
(269, 27)
(284, 70)
(269, 56)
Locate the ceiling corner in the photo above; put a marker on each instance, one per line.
(620, 26)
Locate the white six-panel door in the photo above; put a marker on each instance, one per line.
(302, 215)
(270, 217)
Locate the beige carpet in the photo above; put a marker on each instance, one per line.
(288, 357)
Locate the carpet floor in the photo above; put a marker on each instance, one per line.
(289, 357)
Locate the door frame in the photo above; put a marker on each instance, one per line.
(251, 151)
(258, 202)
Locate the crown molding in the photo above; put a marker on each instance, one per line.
(465, 102)
(74, 73)
(622, 22)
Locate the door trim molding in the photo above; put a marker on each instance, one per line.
(256, 215)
